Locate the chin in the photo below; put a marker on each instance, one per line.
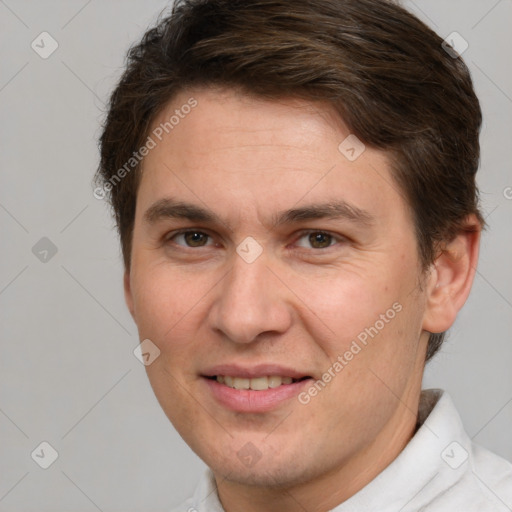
(272, 470)
(265, 475)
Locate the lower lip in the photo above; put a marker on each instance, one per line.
(248, 400)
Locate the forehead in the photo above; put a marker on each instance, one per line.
(234, 151)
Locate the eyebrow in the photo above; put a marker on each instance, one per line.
(169, 208)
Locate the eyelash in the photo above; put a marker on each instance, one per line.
(302, 234)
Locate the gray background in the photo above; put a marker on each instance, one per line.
(67, 372)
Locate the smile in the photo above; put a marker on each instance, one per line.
(255, 383)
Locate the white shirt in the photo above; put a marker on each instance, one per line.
(439, 470)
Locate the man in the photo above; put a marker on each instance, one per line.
(294, 187)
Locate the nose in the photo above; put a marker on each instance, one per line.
(251, 301)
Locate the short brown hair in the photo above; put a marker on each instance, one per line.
(384, 71)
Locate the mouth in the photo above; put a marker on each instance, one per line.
(262, 383)
(257, 389)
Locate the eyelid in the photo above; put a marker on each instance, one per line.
(305, 232)
(172, 234)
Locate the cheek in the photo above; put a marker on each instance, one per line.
(373, 322)
(346, 305)
(162, 301)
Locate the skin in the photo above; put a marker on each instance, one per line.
(298, 304)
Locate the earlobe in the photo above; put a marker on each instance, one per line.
(451, 278)
(128, 294)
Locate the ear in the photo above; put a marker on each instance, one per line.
(451, 277)
(128, 297)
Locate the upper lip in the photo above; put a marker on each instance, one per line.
(249, 372)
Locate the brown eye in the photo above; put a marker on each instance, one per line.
(191, 238)
(320, 240)
(316, 240)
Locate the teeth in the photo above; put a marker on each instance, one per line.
(241, 383)
(256, 383)
(274, 382)
(259, 383)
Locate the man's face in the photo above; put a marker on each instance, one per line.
(324, 289)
